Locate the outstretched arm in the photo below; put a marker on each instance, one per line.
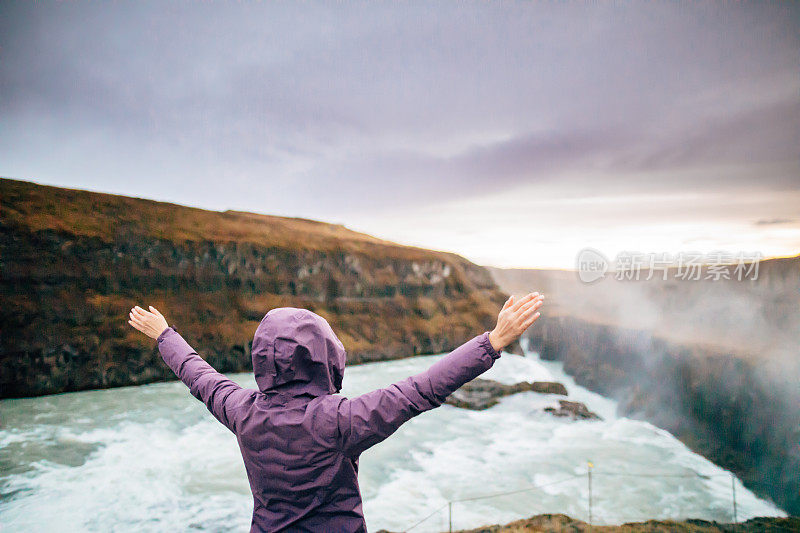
(370, 418)
(217, 392)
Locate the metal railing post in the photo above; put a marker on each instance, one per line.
(589, 472)
(450, 517)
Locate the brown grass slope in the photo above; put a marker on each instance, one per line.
(73, 262)
(559, 523)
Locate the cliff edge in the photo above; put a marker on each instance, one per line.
(714, 362)
(73, 263)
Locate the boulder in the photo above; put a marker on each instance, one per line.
(576, 410)
(480, 394)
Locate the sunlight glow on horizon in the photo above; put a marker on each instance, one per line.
(514, 135)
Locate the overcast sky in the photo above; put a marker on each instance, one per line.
(514, 134)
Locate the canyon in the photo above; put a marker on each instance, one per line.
(73, 263)
(714, 362)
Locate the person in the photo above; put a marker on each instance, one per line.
(299, 439)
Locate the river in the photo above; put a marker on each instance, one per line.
(152, 458)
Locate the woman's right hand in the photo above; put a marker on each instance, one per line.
(514, 319)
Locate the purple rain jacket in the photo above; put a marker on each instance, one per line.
(301, 441)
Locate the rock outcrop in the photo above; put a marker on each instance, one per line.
(574, 410)
(720, 404)
(561, 523)
(73, 263)
(480, 394)
(557, 523)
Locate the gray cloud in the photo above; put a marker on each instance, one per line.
(319, 109)
(772, 221)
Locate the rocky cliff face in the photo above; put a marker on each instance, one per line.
(719, 404)
(72, 264)
(715, 362)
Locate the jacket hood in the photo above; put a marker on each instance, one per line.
(296, 352)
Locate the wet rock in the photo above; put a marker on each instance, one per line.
(480, 394)
(549, 387)
(515, 348)
(576, 410)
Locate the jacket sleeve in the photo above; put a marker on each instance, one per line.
(220, 394)
(368, 419)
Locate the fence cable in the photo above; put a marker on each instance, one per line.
(430, 515)
(450, 502)
(631, 474)
(693, 475)
(532, 487)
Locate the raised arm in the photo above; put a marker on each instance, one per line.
(220, 394)
(368, 419)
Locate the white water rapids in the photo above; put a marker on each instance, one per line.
(152, 458)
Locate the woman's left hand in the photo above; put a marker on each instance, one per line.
(150, 323)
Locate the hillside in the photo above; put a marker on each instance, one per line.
(73, 263)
